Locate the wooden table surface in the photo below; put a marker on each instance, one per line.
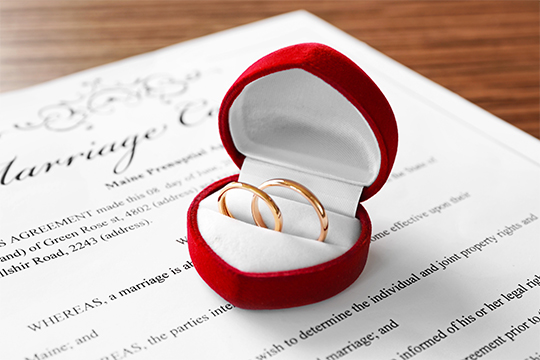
(486, 51)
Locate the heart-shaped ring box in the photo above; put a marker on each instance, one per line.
(309, 114)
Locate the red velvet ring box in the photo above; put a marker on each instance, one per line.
(309, 114)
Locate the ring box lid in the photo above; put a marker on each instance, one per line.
(309, 108)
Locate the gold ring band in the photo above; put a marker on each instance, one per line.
(257, 193)
(293, 185)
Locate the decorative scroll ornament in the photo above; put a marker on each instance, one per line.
(102, 98)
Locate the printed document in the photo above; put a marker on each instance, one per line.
(97, 170)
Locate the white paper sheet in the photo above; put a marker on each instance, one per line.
(98, 169)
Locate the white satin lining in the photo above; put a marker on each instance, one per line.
(249, 248)
(292, 124)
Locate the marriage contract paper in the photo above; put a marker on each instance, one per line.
(97, 171)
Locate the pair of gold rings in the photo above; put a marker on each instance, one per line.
(258, 193)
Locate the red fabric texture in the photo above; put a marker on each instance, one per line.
(274, 290)
(343, 75)
(286, 289)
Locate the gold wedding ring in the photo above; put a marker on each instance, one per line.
(257, 193)
(293, 185)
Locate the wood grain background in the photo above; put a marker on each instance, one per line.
(486, 51)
